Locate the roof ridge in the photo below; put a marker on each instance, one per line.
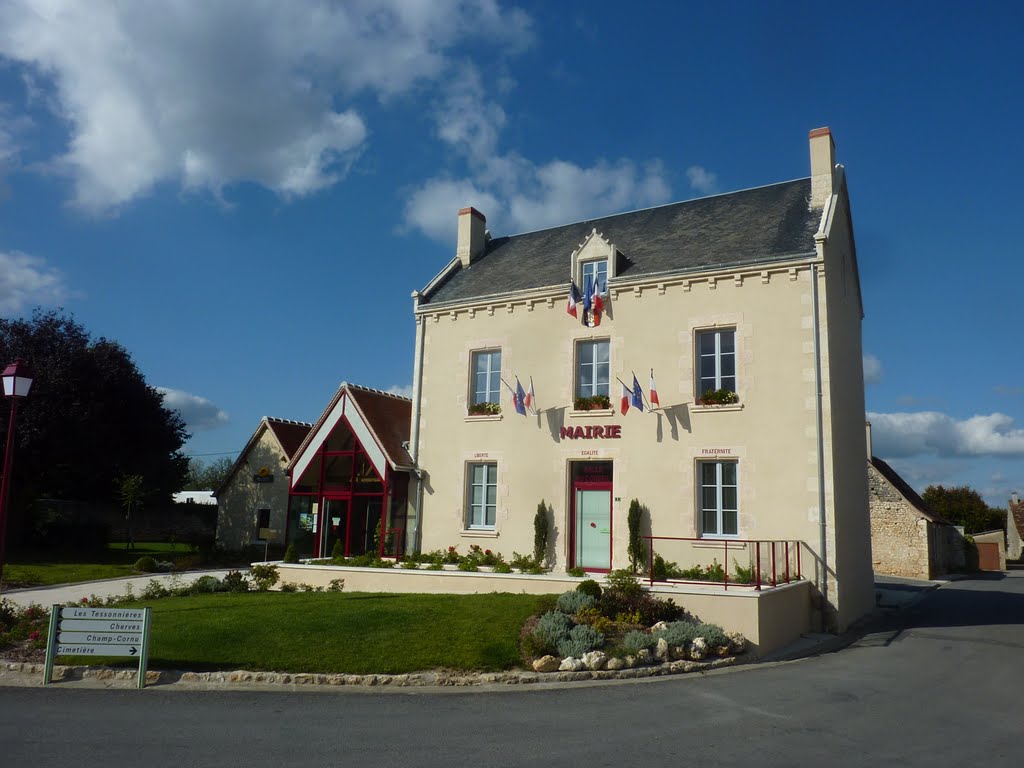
(361, 387)
(654, 207)
(278, 420)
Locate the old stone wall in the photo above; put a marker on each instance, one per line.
(899, 535)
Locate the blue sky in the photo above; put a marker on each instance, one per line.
(245, 193)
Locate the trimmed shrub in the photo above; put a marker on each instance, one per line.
(264, 576)
(578, 571)
(540, 533)
(582, 639)
(713, 635)
(552, 628)
(571, 603)
(678, 633)
(145, 565)
(288, 587)
(590, 587)
(290, 555)
(337, 551)
(635, 641)
(234, 581)
(205, 585)
(635, 549)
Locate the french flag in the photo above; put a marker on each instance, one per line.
(626, 396)
(638, 395)
(654, 392)
(598, 304)
(574, 298)
(530, 397)
(519, 398)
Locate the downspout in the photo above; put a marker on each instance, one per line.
(414, 430)
(818, 407)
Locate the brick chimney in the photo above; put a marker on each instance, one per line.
(823, 164)
(472, 239)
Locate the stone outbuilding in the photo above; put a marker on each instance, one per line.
(1014, 527)
(253, 499)
(907, 538)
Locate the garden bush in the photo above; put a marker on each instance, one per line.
(145, 565)
(590, 587)
(205, 584)
(234, 581)
(713, 635)
(636, 641)
(581, 639)
(678, 633)
(264, 576)
(572, 603)
(290, 555)
(553, 627)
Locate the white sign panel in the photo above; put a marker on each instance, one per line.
(99, 638)
(97, 650)
(100, 626)
(81, 631)
(130, 614)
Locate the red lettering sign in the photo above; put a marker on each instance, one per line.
(591, 432)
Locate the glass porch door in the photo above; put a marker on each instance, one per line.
(593, 527)
(334, 523)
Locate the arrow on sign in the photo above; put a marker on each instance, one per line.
(133, 650)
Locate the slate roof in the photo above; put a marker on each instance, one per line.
(754, 226)
(897, 482)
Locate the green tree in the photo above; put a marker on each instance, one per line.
(540, 533)
(90, 419)
(962, 505)
(130, 492)
(207, 475)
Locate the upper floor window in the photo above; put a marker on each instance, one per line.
(485, 386)
(593, 368)
(482, 493)
(594, 270)
(716, 360)
(719, 498)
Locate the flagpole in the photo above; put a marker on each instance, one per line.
(535, 409)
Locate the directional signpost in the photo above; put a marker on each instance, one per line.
(98, 632)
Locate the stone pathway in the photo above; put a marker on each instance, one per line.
(68, 593)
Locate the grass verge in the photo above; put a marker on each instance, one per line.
(357, 633)
(40, 568)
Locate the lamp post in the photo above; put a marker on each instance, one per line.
(17, 382)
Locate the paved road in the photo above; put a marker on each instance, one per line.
(939, 687)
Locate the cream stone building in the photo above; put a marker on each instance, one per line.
(744, 308)
(254, 496)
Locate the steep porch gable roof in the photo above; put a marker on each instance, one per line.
(753, 226)
(287, 433)
(380, 420)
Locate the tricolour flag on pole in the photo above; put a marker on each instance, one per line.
(638, 396)
(574, 298)
(626, 394)
(597, 303)
(518, 399)
(654, 393)
(586, 301)
(530, 397)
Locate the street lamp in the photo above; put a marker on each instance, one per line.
(17, 382)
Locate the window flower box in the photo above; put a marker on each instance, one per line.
(484, 409)
(718, 397)
(594, 403)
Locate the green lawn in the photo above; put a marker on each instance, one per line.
(31, 568)
(357, 633)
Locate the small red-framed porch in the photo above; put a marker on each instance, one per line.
(348, 491)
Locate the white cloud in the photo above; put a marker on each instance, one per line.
(872, 369)
(198, 413)
(26, 280)
(208, 94)
(402, 390)
(515, 193)
(702, 180)
(929, 432)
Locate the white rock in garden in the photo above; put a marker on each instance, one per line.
(569, 664)
(615, 663)
(659, 626)
(677, 652)
(595, 660)
(643, 656)
(546, 664)
(698, 649)
(737, 642)
(630, 662)
(661, 651)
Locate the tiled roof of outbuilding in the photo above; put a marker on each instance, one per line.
(754, 226)
(290, 434)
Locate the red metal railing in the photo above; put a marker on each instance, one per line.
(781, 556)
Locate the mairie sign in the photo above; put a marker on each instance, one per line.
(77, 631)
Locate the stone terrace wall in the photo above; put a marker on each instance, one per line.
(899, 535)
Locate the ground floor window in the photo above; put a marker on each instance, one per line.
(482, 495)
(719, 498)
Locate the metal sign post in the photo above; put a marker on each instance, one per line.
(78, 631)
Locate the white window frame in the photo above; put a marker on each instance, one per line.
(594, 267)
(487, 392)
(715, 360)
(719, 507)
(595, 385)
(482, 516)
